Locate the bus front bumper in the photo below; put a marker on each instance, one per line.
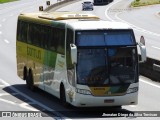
(82, 100)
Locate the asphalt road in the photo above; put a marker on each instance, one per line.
(14, 96)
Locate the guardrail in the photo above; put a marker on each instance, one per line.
(59, 4)
(150, 69)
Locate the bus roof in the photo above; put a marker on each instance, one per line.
(94, 25)
(77, 21)
(60, 15)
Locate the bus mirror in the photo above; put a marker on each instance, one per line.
(143, 52)
(73, 53)
(142, 40)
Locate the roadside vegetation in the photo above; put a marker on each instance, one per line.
(137, 3)
(4, 1)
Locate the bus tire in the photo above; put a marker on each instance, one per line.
(63, 96)
(30, 81)
(25, 73)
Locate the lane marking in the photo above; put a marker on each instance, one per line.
(110, 5)
(152, 84)
(57, 114)
(7, 101)
(0, 32)
(6, 41)
(25, 105)
(133, 106)
(2, 86)
(3, 94)
(155, 47)
(24, 95)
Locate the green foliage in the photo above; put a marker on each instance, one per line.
(137, 3)
(5, 1)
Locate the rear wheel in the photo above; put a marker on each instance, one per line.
(29, 81)
(25, 73)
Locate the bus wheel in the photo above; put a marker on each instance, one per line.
(29, 81)
(63, 96)
(25, 73)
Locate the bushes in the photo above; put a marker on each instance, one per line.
(137, 3)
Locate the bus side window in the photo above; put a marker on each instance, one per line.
(44, 36)
(57, 40)
(30, 36)
(22, 31)
(60, 38)
(35, 36)
(52, 41)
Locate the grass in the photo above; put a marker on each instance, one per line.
(137, 3)
(5, 1)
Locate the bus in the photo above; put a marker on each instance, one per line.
(80, 59)
(102, 2)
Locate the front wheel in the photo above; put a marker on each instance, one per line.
(63, 97)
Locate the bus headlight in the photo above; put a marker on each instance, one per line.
(83, 91)
(132, 90)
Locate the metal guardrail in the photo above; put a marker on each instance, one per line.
(59, 4)
(150, 69)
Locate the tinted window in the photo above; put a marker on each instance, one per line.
(22, 31)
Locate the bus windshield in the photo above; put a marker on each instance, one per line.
(106, 65)
(105, 38)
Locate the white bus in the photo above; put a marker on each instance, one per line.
(79, 58)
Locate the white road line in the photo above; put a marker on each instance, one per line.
(133, 106)
(155, 47)
(25, 105)
(0, 25)
(110, 5)
(0, 32)
(3, 94)
(6, 41)
(7, 101)
(24, 95)
(2, 86)
(31, 99)
(152, 84)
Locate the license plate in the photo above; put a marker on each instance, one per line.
(109, 101)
